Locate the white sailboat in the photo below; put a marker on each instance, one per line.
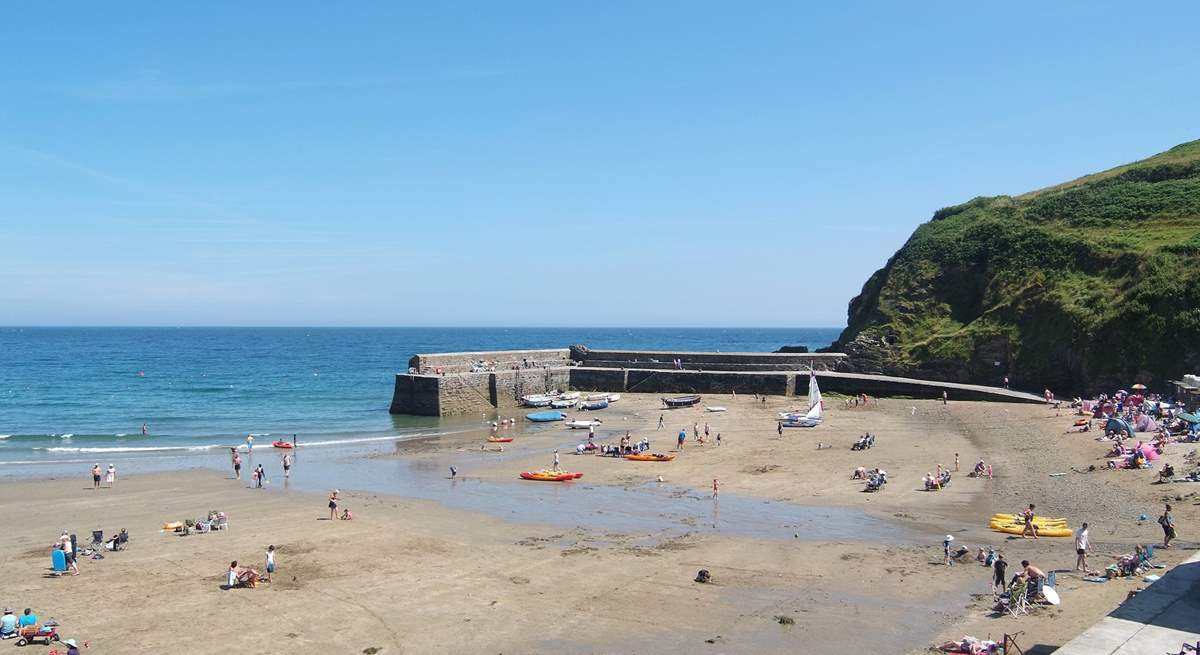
(815, 412)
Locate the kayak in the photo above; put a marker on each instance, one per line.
(550, 476)
(1042, 532)
(650, 458)
(282, 444)
(1037, 520)
(500, 439)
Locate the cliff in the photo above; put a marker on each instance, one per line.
(1089, 285)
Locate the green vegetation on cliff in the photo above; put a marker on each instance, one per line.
(1082, 286)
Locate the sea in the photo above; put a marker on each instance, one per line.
(75, 396)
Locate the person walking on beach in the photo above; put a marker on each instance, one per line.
(779, 428)
(956, 462)
(250, 443)
(293, 441)
(999, 567)
(333, 502)
(716, 487)
(706, 431)
(96, 476)
(660, 421)
(1168, 526)
(696, 431)
(556, 467)
(718, 438)
(270, 561)
(287, 465)
(945, 397)
(260, 476)
(1030, 528)
(682, 438)
(111, 477)
(237, 464)
(1081, 548)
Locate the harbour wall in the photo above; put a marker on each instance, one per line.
(466, 393)
(498, 360)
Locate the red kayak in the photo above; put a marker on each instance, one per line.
(282, 444)
(500, 439)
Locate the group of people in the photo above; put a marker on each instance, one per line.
(244, 576)
(936, 482)
(13, 626)
(258, 476)
(110, 477)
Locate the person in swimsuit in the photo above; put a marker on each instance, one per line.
(237, 464)
(287, 465)
(1030, 528)
(96, 476)
(333, 501)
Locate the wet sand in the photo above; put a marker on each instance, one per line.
(488, 563)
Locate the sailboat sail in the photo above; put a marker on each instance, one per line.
(814, 399)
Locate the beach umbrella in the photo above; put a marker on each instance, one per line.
(1139, 387)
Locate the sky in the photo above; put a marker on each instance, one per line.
(539, 163)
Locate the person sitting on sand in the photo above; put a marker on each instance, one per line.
(1166, 473)
(859, 473)
(8, 624)
(980, 467)
(347, 516)
(241, 577)
(27, 619)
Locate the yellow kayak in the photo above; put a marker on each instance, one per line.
(1037, 520)
(1042, 532)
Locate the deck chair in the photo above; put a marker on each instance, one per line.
(1018, 598)
(97, 540)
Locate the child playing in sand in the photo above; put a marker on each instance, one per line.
(270, 561)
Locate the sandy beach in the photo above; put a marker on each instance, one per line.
(801, 559)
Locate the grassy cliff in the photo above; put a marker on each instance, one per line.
(1087, 285)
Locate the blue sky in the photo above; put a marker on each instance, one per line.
(553, 163)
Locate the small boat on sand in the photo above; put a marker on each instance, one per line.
(543, 417)
(614, 397)
(597, 396)
(681, 401)
(499, 439)
(562, 403)
(590, 405)
(714, 409)
(583, 425)
(570, 395)
(537, 400)
(548, 475)
(643, 457)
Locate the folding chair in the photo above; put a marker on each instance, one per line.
(1018, 598)
(97, 540)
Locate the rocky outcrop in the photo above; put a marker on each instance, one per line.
(1089, 285)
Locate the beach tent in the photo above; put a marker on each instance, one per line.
(1116, 425)
(1146, 424)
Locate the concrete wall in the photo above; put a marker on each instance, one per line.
(654, 381)
(597, 379)
(507, 387)
(504, 359)
(734, 361)
(419, 395)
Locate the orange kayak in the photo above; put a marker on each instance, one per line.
(499, 439)
(650, 458)
(550, 476)
(281, 444)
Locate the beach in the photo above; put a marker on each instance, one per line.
(801, 559)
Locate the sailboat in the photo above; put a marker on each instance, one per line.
(815, 413)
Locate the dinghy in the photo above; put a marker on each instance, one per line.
(714, 409)
(583, 425)
(543, 417)
(681, 401)
(589, 405)
(537, 400)
(813, 416)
